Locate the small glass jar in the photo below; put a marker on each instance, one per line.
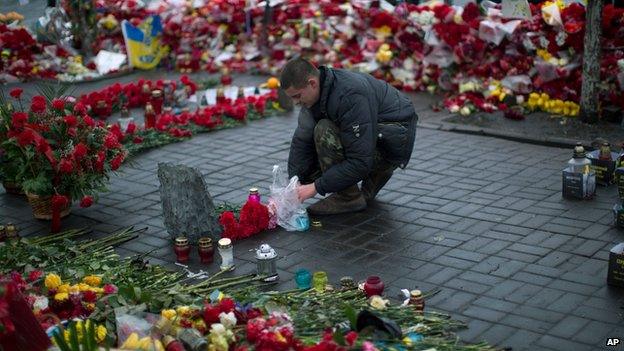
(417, 301)
(319, 281)
(254, 195)
(182, 249)
(226, 250)
(205, 249)
(303, 278)
(373, 286)
(10, 231)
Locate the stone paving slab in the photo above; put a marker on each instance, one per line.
(480, 218)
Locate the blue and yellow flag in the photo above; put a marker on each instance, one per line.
(143, 42)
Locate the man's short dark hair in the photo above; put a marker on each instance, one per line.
(296, 73)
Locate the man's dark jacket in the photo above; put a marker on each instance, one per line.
(370, 113)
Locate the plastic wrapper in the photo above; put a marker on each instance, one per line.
(135, 329)
(518, 84)
(552, 15)
(290, 213)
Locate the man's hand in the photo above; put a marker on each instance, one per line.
(306, 191)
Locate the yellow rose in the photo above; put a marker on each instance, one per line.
(377, 302)
(183, 310)
(52, 281)
(61, 296)
(74, 289)
(64, 288)
(169, 314)
(92, 280)
(83, 287)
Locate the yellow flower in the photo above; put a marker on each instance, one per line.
(64, 288)
(280, 338)
(183, 310)
(61, 296)
(92, 280)
(90, 306)
(169, 314)
(74, 289)
(97, 290)
(83, 287)
(52, 281)
(100, 333)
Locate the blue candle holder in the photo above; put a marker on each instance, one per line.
(303, 278)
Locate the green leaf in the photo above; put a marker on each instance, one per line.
(59, 338)
(339, 339)
(73, 337)
(351, 316)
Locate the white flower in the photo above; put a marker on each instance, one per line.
(621, 64)
(378, 303)
(454, 108)
(41, 302)
(218, 329)
(227, 319)
(520, 99)
(465, 111)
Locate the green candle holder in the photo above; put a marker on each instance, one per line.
(319, 281)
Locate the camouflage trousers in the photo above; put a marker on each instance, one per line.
(330, 152)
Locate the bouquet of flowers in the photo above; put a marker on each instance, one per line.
(57, 152)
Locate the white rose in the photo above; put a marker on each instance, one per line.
(465, 111)
(227, 319)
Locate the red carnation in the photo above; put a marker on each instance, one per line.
(70, 120)
(80, 108)
(86, 201)
(66, 166)
(352, 336)
(109, 289)
(38, 104)
(88, 121)
(211, 314)
(99, 162)
(80, 151)
(19, 119)
(111, 141)
(26, 137)
(131, 128)
(227, 305)
(34, 275)
(16, 92)
(89, 296)
(58, 104)
(116, 162)
(137, 140)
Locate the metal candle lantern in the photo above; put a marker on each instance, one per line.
(226, 251)
(266, 259)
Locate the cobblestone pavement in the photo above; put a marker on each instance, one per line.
(480, 218)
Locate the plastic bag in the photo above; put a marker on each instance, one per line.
(135, 329)
(284, 202)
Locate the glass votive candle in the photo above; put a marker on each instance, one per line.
(319, 281)
(226, 251)
(182, 249)
(303, 278)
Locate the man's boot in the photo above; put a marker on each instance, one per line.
(346, 201)
(375, 181)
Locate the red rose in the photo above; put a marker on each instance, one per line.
(80, 151)
(66, 166)
(72, 132)
(59, 201)
(58, 104)
(86, 201)
(70, 120)
(19, 119)
(16, 92)
(137, 140)
(99, 162)
(38, 104)
(116, 162)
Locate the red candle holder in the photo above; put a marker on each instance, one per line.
(206, 250)
(373, 286)
(182, 249)
(157, 101)
(150, 116)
